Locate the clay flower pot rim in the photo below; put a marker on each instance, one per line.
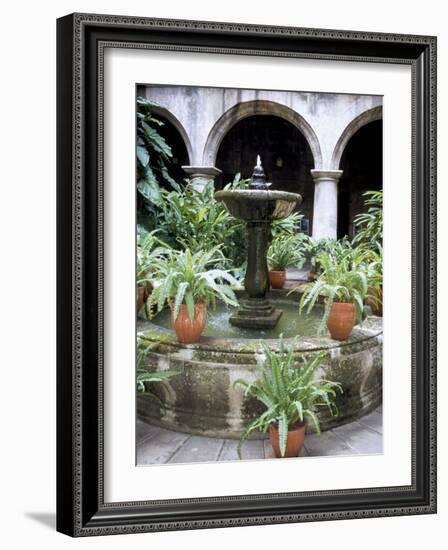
(291, 427)
(183, 306)
(338, 302)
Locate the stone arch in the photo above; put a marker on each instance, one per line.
(168, 115)
(350, 130)
(252, 108)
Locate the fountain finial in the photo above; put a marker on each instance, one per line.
(258, 176)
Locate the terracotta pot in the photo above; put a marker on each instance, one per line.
(141, 297)
(376, 303)
(341, 320)
(143, 292)
(277, 278)
(189, 330)
(312, 276)
(294, 443)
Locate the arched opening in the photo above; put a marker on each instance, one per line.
(362, 165)
(176, 141)
(286, 156)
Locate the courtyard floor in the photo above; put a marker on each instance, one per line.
(160, 446)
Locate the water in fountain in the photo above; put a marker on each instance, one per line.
(290, 324)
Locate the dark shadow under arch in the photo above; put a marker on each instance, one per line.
(285, 153)
(362, 165)
(247, 109)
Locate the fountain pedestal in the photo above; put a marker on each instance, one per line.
(256, 313)
(257, 206)
(255, 310)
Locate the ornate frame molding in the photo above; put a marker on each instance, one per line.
(81, 42)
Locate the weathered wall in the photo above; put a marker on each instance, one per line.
(323, 118)
(204, 116)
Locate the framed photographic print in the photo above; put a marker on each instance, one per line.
(246, 274)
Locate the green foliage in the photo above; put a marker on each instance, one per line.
(149, 247)
(315, 248)
(237, 183)
(370, 224)
(153, 156)
(285, 251)
(341, 280)
(371, 261)
(289, 225)
(145, 379)
(192, 218)
(185, 277)
(288, 392)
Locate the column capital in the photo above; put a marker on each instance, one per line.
(202, 171)
(201, 175)
(325, 175)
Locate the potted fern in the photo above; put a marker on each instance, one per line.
(284, 251)
(314, 249)
(369, 239)
(343, 285)
(374, 272)
(186, 280)
(372, 262)
(149, 247)
(291, 396)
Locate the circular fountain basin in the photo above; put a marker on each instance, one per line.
(202, 400)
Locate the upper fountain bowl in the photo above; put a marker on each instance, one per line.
(259, 204)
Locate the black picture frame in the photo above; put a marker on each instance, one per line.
(81, 510)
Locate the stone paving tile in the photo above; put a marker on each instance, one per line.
(144, 430)
(160, 447)
(326, 444)
(157, 445)
(197, 449)
(373, 420)
(361, 439)
(250, 450)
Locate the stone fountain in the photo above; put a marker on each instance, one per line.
(257, 206)
(202, 398)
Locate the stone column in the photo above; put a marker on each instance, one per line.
(325, 212)
(200, 175)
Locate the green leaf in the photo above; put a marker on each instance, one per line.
(179, 297)
(299, 408)
(142, 155)
(190, 304)
(314, 418)
(283, 433)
